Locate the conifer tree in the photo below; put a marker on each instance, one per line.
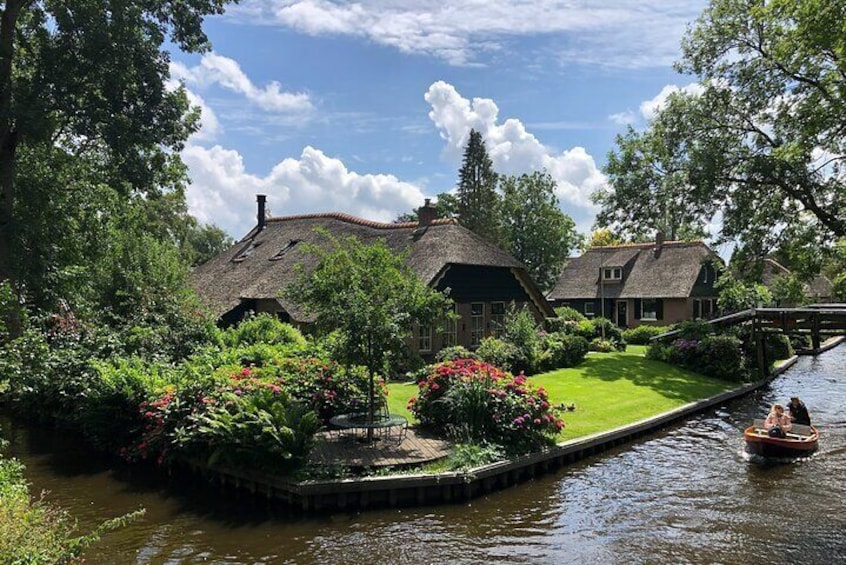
(479, 207)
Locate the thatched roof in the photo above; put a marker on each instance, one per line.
(670, 273)
(223, 282)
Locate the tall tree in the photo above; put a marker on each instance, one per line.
(86, 80)
(340, 293)
(478, 201)
(773, 112)
(535, 229)
(603, 237)
(650, 185)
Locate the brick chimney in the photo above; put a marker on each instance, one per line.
(261, 214)
(426, 214)
(659, 243)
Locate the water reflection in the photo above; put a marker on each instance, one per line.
(686, 495)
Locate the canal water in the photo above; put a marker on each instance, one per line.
(685, 495)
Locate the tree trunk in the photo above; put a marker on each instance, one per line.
(8, 147)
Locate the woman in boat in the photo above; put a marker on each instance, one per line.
(798, 412)
(777, 422)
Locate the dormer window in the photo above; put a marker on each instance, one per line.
(246, 252)
(612, 273)
(288, 246)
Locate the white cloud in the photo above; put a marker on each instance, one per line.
(216, 69)
(223, 192)
(623, 118)
(603, 32)
(513, 149)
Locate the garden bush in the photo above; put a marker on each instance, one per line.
(641, 334)
(476, 402)
(264, 329)
(500, 353)
(778, 347)
(454, 352)
(245, 421)
(561, 350)
(569, 314)
(521, 330)
(721, 356)
(601, 345)
(695, 330)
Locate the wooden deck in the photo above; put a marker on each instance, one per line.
(418, 447)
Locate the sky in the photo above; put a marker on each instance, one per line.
(365, 107)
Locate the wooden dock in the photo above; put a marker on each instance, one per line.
(417, 447)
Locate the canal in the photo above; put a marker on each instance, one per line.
(685, 495)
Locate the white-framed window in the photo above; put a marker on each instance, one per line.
(590, 309)
(497, 319)
(704, 308)
(649, 309)
(424, 337)
(612, 273)
(450, 335)
(477, 323)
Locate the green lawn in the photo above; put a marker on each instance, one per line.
(608, 389)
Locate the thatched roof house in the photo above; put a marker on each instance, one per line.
(659, 283)
(482, 278)
(817, 289)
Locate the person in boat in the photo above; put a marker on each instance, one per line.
(798, 412)
(777, 422)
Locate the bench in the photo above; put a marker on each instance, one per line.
(795, 430)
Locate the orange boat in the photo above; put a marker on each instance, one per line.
(800, 441)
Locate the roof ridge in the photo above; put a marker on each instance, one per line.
(647, 245)
(349, 218)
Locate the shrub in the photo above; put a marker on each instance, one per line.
(684, 352)
(469, 455)
(264, 329)
(602, 345)
(778, 347)
(721, 356)
(561, 350)
(500, 353)
(641, 334)
(521, 331)
(658, 351)
(475, 401)
(695, 330)
(569, 314)
(244, 421)
(325, 386)
(454, 352)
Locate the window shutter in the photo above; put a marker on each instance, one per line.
(659, 308)
(637, 309)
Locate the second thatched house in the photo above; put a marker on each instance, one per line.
(656, 283)
(482, 279)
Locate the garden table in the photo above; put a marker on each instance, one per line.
(388, 427)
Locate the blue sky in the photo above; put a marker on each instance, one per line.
(365, 107)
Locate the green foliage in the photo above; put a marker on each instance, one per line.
(535, 229)
(340, 293)
(641, 334)
(650, 183)
(35, 532)
(736, 295)
(264, 329)
(453, 353)
(695, 330)
(561, 350)
(479, 206)
(477, 402)
(521, 331)
(471, 455)
(500, 353)
(721, 356)
(788, 289)
(569, 314)
(601, 345)
(779, 347)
